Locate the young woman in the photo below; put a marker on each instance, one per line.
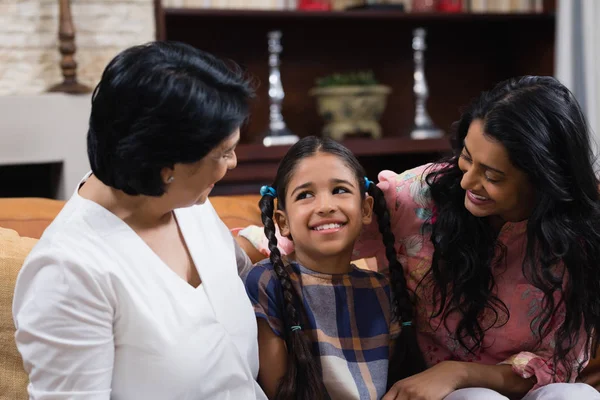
(501, 243)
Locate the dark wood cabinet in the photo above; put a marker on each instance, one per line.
(257, 165)
(466, 54)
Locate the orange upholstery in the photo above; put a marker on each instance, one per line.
(237, 211)
(28, 216)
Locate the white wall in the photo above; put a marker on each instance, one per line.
(35, 126)
(46, 128)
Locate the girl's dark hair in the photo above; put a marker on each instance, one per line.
(303, 379)
(543, 129)
(160, 104)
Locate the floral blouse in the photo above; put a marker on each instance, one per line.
(510, 341)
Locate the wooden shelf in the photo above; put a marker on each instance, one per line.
(467, 53)
(352, 15)
(257, 165)
(362, 147)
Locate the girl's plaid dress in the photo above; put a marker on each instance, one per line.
(347, 318)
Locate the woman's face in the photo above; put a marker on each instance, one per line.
(494, 187)
(191, 183)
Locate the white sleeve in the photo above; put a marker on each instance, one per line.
(244, 263)
(64, 321)
(241, 258)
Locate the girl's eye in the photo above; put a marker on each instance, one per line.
(303, 195)
(340, 190)
(487, 178)
(228, 155)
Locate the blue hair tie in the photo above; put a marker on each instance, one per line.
(367, 183)
(296, 328)
(268, 191)
(407, 323)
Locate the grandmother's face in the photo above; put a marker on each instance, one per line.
(192, 183)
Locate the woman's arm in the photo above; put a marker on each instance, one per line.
(246, 254)
(516, 376)
(500, 378)
(64, 331)
(272, 353)
(410, 206)
(442, 379)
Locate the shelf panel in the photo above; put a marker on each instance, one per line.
(362, 147)
(354, 15)
(257, 165)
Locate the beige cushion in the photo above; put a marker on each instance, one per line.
(13, 250)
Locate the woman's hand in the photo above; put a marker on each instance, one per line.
(433, 384)
(442, 379)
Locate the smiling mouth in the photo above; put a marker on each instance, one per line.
(328, 226)
(478, 197)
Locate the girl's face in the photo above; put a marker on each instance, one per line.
(494, 187)
(325, 211)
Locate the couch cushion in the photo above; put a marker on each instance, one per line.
(238, 211)
(28, 216)
(31, 216)
(13, 250)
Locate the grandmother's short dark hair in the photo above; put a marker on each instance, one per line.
(160, 104)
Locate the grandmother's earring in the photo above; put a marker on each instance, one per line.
(170, 179)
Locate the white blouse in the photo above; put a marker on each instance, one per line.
(100, 316)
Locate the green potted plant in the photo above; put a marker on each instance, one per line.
(350, 103)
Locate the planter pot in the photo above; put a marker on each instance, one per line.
(349, 110)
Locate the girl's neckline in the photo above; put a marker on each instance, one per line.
(323, 275)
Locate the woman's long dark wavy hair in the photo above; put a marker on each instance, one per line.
(303, 379)
(543, 129)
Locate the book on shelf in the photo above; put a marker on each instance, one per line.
(232, 4)
(506, 6)
(474, 6)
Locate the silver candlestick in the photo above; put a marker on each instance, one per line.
(424, 127)
(278, 133)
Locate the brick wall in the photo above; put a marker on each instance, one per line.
(29, 57)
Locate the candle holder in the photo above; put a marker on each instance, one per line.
(423, 128)
(68, 65)
(278, 133)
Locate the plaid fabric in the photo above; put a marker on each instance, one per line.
(347, 318)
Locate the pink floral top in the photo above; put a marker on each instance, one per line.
(509, 341)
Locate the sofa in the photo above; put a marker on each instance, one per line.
(22, 222)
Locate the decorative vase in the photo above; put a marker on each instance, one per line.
(351, 110)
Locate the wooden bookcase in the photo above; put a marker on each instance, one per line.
(466, 54)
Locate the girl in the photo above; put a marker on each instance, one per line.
(325, 326)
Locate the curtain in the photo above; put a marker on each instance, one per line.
(578, 57)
